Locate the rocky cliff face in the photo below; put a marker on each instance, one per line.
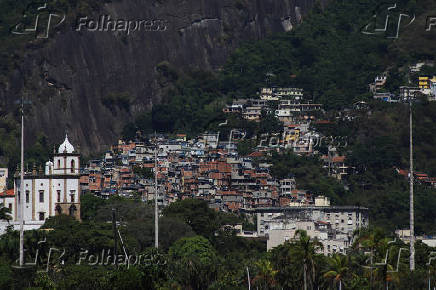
(92, 82)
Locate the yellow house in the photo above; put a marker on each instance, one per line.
(424, 82)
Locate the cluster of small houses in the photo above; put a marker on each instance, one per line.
(426, 88)
(419, 177)
(290, 103)
(174, 167)
(198, 168)
(205, 168)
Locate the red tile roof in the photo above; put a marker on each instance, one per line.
(256, 154)
(421, 175)
(338, 159)
(403, 172)
(7, 193)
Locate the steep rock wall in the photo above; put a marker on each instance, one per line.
(74, 79)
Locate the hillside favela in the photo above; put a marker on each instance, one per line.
(231, 144)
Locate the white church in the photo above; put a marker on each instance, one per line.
(49, 192)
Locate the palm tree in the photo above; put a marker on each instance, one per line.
(266, 274)
(5, 213)
(386, 275)
(307, 250)
(377, 243)
(338, 269)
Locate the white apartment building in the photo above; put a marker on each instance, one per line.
(332, 225)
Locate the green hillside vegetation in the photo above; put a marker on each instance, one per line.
(328, 56)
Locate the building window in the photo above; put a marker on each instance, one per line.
(72, 166)
(10, 207)
(72, 210)
(59, 196)
(41, 216)
(27, 196)
(19, 197)
(41, 196)
(58, 209)
(59, 164)
(72, 195)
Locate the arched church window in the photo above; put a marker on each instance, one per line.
(73, 163)
(59, 164)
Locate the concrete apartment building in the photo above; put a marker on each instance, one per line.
(332, 225)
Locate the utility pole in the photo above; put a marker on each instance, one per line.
(21, 196)
(248, 279)
(114, 229)
(156, 221)
(412, 218)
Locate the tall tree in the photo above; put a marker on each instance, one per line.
(5, 213)
(338, 269)
(193, 262)
(307, 251)
(265, 277)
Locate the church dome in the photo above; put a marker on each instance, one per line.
(66, 147)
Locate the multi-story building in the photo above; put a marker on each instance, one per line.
(287, 185)
(332, 225)
(275, 94)
(252, 113)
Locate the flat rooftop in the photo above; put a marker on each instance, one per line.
(303, 208)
